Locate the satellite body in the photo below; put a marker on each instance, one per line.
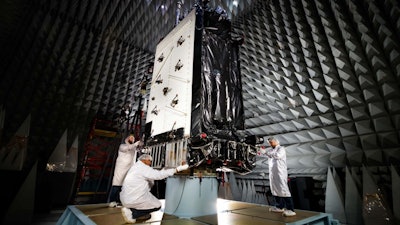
(195, 108)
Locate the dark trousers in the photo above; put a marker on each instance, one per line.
(114, 195)
(141, 212)
(284, 202)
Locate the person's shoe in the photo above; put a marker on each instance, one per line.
(127, 215)
(289, 213)
(276, 209)
(115, 205)
(112, 204)
(144, 217)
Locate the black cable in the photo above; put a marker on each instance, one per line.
(180, 199)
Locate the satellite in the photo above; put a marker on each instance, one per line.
(195, 109)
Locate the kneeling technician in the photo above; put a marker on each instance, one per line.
(137, 200)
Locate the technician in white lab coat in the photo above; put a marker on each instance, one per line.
(137, 200)
(278, 178)
(127, 154)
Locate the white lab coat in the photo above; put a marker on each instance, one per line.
(126, 158)
(137, 186)
(278, 177)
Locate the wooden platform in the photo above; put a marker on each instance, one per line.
(229, 213)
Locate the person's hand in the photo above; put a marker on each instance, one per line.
(182, 168)
(262, 150)
(146, 150)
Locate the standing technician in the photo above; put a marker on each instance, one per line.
(127, 154)
(278, 178)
